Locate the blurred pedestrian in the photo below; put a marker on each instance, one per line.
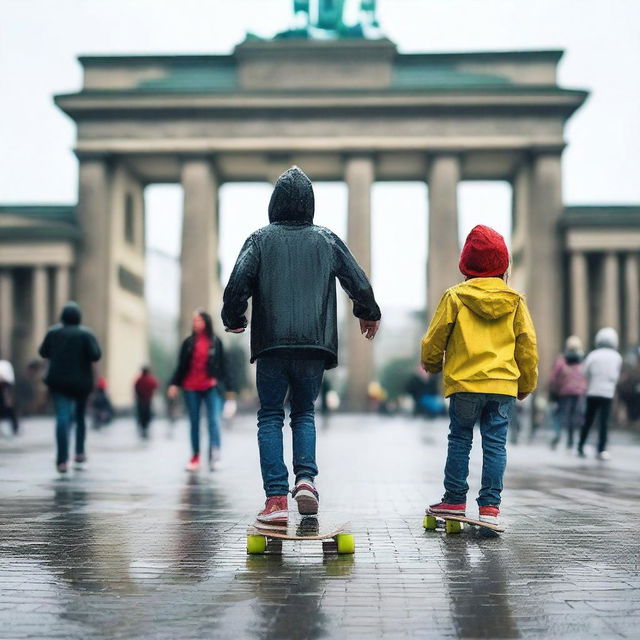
(201, 371)
(8, 395)
(101, 406)
(289, 269)
(144, 387)
(71, 350)
(602, 368)
(629, 388)
(483, 332)
(568, 386)
(424, 389)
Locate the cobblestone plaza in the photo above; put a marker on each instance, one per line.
(134, 547)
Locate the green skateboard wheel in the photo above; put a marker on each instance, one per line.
(256, 544)
(452, 526)
(346, 543)
(430, 523)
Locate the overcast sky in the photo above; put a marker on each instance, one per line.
(41, 39)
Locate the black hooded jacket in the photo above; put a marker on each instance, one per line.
(71, 349)
(289, 269)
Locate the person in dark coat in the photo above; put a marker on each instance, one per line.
(289, 268)
(145, 386)
(203, 374)
(8, 395)
(71, 350)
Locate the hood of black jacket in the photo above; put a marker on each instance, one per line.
(292, 199)
(71, 313)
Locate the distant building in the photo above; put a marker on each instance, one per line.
(347, 109)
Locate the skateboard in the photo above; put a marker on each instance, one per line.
(453, 524)
(268, 538)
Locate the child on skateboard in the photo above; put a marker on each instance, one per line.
(483, 332)
(289, 269)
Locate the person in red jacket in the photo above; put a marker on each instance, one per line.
(145, 386)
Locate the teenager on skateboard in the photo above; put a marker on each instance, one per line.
(483, 332)
(289, 269)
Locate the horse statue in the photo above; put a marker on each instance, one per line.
(330, 17)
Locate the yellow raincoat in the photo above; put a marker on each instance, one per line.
(483, 331)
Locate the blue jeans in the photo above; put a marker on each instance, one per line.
(494, 413)
(67, 409)
(303, 378)
(566, 417)
(213, 403)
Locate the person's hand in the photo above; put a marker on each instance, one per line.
(522, 396)
(240, 330)
(172, 392)
(369, 328)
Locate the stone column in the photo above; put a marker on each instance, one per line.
(94, 267)
(200, 283)
(610, 306)
(632, 295)
(39, 309)
(61, 289)
(444, 249)
(359, 176)
(544, 267)
(521, 200)
(579, 291)
(6, 314)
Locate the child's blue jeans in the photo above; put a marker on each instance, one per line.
(493, 411)
(302, 378)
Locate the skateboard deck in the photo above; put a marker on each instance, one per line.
(267, 538)
(453, 524)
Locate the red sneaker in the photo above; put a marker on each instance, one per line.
(194, 463)
(306, 495)
(490, 515)
(276, 511)
(446, 507)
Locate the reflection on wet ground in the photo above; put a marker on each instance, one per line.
(135, 547)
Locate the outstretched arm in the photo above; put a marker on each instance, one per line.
(354, 281)
(240, 287)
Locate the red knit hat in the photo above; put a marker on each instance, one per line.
(484, 254)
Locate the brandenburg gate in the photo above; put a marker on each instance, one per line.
(348, 109)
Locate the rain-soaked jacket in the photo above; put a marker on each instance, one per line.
(289, 268)
(483, 330)
(71, 349)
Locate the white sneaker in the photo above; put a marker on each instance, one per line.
(604, 455)
(214, 458)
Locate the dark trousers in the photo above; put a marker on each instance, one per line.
(7, 406)
(144, 415)
(67, 409)
(566, 418)
(596, 405)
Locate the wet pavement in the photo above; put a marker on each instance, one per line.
(134, 547)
